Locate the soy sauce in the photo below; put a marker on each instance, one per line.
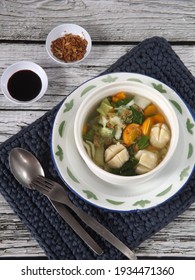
(24, 85)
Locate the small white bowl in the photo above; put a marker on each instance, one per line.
(60, 31)
(91, 102)
(19, 66)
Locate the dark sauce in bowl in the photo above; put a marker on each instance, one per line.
(24, 85)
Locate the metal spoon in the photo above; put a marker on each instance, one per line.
(25, 167)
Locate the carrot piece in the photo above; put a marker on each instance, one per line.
(150, 121)
(118, 96)
(147, 125)
(131, 133)
(150, 110)
(158, 119)
(85, 129)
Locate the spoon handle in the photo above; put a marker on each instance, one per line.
(55, 192)
(99, 228)
(104, 232)
(78, 229)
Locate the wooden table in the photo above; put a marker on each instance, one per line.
(115, 27)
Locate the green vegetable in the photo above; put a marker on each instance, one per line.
(89, 135)
(143, 142)
(106, 101)
(127, 169)
(132, 150)
(123, 102)
(104, 107)
(99, 155)
(137, 115)
(106, 132)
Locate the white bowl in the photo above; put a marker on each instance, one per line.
(60, 31)
(19, 66)
(135, 88)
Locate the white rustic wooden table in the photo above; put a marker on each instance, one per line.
(115, 27)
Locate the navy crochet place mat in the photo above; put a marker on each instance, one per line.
(153, 57)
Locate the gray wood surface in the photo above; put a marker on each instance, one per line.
(111, 20)
(115, 27)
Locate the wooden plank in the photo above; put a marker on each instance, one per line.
(15, 239)
(63, 80)
(175, 240)
(12, 122)
(106, 21)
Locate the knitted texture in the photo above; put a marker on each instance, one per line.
(153, 57)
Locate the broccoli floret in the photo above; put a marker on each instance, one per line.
(104, 107)
(106, 132)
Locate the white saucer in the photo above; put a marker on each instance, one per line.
(75, 173)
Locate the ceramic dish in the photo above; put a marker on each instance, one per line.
(28, 66)
(60, 31)
(77, 176)
(140, 90)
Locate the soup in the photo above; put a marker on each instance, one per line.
(126, 135)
